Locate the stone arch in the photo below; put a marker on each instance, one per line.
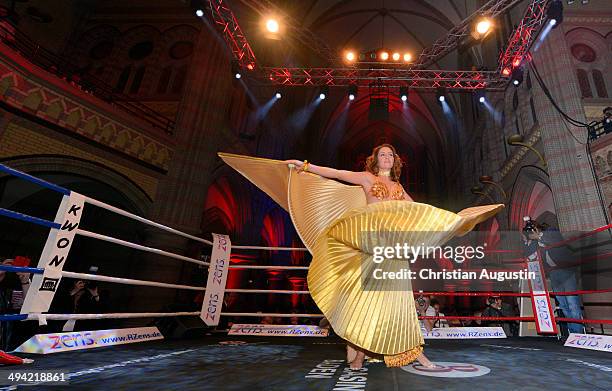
(531, 195)
(138, 199)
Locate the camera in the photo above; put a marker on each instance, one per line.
(530, 225)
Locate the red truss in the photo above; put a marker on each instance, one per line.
(523, 36)
(517, 49)
(225, 20)
(398, 77)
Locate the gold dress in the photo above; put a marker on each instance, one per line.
(340, 230)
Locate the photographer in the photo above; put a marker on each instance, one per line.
(562, 279)
(82, 298)
(434, 310)
(607, 119)
(496, 308)
(13, 288)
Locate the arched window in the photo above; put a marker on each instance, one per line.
(533, 112)
(164, 79)
(123, 78)
(528, 81)
(138, 76)
(583, 81)
(179, 79)
(600, 84)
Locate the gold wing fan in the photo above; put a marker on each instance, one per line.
(313, 202)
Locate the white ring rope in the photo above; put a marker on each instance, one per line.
(289, 292)
(175, 231)
(126, 315)
(272, 314)
(268, 267)
(143, 220)
(122, 315)
(129, 281)
(138, 246)
(271, 248)
(153, 250)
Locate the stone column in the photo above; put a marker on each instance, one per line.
(574, 188)
(182, 193)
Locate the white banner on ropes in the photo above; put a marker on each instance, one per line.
(590, 341)
(278, 330)
(65, 342)
(464, 333)
(217, 277)
(542, 308)
(54, 254)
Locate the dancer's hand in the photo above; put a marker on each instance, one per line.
(297, 163)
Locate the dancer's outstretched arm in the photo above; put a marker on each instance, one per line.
(356, 178)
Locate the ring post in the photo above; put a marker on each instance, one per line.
(54, 254)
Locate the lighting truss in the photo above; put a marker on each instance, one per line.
(413, 77)
(224, 19)
(524, 35)
(446, 44)
(395, 77)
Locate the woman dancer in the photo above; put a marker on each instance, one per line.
(340, 224)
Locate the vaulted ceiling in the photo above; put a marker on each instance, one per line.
(361, 25)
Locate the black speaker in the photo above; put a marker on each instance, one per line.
(182, 327)
(379, 109)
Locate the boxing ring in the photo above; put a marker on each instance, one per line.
(256, 362)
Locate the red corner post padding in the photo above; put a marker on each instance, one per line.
(9, 359)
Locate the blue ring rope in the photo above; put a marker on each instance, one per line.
(21, 269)
(33, 179)
(29, 219)
(4, 318)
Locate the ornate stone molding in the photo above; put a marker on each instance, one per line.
(25, 87)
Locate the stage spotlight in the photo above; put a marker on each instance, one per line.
(199, 13)
(272, 25)
(480, 95)
(352, 92)
(483, 26)
(384, 56)
(236, 70)
(441, 94)
(555, 13)
(350, 56)
(278, 95)
(584, 2)
(324, 93)
(570, 2)
(517, 76)
(407, 57)
(250, 67)
(396, 56)
(506, 72)
(403, 92)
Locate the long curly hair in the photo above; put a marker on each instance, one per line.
(371, 164)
